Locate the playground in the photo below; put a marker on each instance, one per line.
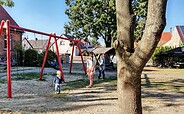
(162, 92)
(30, 90)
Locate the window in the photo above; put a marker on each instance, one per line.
(62, 42)
(11, 43)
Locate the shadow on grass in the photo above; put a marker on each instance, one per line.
(148, 83)
(168, 90)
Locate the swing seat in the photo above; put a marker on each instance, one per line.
(53, 64)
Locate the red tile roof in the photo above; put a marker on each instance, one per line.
(5, 16)
(166, 36)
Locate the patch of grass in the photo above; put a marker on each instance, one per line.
(167, 85)
(26, 76)
(84, 82)
(163, 71)
(2, 80)
(74, 74)
(77, 84)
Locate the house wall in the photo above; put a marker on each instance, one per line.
(16, 40)
(64, 47)
(175, 39)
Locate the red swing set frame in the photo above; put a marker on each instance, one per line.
(7, 26)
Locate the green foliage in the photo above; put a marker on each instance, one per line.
(30, 57)
(8, 3)
(26, 76)
(51, 57)
(158, 57)
(94, 42)
(2, 80)
(33, 58)
(19, 54)
(97, 19)
(140, 10)
(92, 18)
(85, 53)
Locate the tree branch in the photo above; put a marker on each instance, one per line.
(155, 24)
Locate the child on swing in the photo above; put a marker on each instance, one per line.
(57, 82)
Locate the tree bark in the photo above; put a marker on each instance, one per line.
(130, 63)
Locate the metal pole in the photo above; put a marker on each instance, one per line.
(38, 32)
(82, 59)
(59, 60)
(8, 59)
(45, 56)
(71, 61)
(1, 27)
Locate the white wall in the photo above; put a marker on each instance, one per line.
(175, 39)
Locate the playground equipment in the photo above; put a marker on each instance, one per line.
(7, 26)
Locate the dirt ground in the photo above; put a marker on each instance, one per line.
(162, 93)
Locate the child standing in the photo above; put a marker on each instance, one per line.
(101, 66)
(57, 82)
(91, 62)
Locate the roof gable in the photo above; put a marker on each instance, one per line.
(5, 16)
(166, 36)
(180, 30)
(36, 44)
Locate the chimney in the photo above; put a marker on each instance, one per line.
(171, 30)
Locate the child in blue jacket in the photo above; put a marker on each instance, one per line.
(57, 82)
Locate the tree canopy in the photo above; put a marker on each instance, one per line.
(8, 3)
(92, 18)
(140, 9)
(97, 19)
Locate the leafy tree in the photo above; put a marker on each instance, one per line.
(92, 18)
(94, 42)
(97, 18)
(130, 60)
(8, 3)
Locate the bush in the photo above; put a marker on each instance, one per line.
(30, 58)
(51, 57)
(159, 58)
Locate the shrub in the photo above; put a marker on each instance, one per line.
(30, 57)
(158, 57)
(51, 57)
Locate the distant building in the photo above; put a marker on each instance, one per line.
(174, 39)
(65, 46)
(39, 45)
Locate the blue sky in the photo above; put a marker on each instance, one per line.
(174, 14)
(48, 15)
(42, 15)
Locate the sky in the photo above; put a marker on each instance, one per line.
(41, 15)
(48, 15)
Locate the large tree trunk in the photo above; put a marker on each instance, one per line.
(130, 63)
(129, 90)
